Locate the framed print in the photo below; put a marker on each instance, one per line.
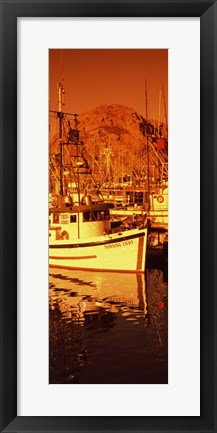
(102, 370)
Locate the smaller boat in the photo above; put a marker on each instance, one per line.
(158, 213)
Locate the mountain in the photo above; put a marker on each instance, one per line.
(117, 142)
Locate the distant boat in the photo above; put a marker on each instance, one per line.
(158, 213)
(80, 235)
(158, 208)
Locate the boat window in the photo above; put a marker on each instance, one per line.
(56, 218)
(139, 197)
(106, 214)
(73, 218)
(86, 216)
(95, 215)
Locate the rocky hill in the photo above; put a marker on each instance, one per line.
(117, 142)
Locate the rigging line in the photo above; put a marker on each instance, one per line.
(165, 108)
(53, 169)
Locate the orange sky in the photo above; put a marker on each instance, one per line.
(112, 76)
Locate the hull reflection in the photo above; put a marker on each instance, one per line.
(93, 292)
(107, 328)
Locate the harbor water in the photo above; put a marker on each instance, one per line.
(108, 328)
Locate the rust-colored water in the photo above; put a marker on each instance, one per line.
(108, 328)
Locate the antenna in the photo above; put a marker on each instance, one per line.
(61, 93)
(61, 70)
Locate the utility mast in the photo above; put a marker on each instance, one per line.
(147, 144)
(165, 109)
(60, 116)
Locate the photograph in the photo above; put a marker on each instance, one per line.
(108, 216)
(108, 291)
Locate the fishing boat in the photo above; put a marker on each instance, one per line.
(158, 213)
(80, 234)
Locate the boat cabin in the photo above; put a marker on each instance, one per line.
(68, 221)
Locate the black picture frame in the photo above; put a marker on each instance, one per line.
(10, 11)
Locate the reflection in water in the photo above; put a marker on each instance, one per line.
(108, 327)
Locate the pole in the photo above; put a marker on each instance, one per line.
(147, 144)
(159, 113)
(165, 110)
(60, 116)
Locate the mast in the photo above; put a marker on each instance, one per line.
(60, 117)
(165, 110)
(147, 144)
(159, 114)
(72, 139)
(77, 163)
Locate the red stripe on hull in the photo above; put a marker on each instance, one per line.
(136, 271)
(140, 254)
(71, 258)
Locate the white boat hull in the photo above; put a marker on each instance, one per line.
(159, 217)
(125, 252)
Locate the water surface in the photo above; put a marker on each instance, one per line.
(108, 328)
